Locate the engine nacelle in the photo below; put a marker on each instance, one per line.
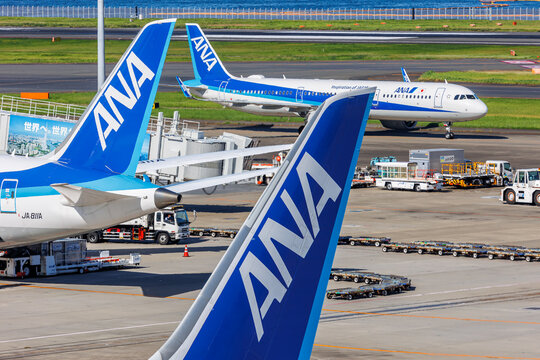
(398, 125)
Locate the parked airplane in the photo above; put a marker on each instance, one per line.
(88, 182)
(396, 105)
(264, 299)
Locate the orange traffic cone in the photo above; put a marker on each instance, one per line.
(186, 253)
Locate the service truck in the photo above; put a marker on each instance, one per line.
(525, 188)
(163, 227)
(405, 176)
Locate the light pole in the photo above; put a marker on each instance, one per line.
(101, 45)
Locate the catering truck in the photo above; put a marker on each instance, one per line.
(163, 227)
(525, 188)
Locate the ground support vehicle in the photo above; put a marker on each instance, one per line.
(163, 227)
(532, 254)
(525, 188)
(399, 247)
(502, 170)
(468, 174)
(58, 257)
(474, 252)
(389, 284)
(514, 254)
(405, 176)
(230, 233)
(362, 178)
(439, 249)
(363, 240)
(355, 276)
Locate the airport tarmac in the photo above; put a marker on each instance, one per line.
(461, 307)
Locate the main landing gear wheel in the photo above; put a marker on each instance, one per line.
(448, 127)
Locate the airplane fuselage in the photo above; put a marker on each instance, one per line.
(399, 101)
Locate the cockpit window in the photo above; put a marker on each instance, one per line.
(470, 97)
(462, 97)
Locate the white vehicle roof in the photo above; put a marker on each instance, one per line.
(395, 163)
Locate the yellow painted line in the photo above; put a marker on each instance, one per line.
(93, 291)
(426, 353)
(434, 317)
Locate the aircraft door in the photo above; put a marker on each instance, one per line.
(376, 98)
(300, 94)
(8, 196)
(439, 97)
(222, 88)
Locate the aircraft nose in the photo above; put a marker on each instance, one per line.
(481, 108)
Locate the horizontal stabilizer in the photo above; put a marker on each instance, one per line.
(184, 88)
(218, 180)
(150, 165)
(80, 196)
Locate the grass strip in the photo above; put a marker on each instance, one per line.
(503, 113)
(484, 77)
(358, 25)
(44, 51)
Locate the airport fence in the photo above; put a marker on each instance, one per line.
(463, 13)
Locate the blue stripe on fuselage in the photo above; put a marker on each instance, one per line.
(280, 93)
(36, 181)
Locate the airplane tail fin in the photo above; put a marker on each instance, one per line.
(206, 63)
(263, 300)
(405, 75)
(110, 133)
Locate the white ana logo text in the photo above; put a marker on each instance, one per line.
(272, 231)
(202, 47)
(129, 99)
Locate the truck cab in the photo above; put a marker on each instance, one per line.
(502, 169)
(169, 225)
(525, 189)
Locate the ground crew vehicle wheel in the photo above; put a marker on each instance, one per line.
(536, 198)
(231, 235)
(475, 255)
(336, 278)
(352, 243)
(367, 281)
(213, 234)
(201, 233)
(384, 292)
(388, 186)
(490, 256)
(369, 295)
(356, 280)
(163, 238)
(455, 253)
(328, 296)
(349, 297)
(416, 187)
(440, 253)
(420, 251)
(384, 249)
(512, 257)
(93, 237)
(528, 259)
(405, 250)
(510, 196)
(377, 243)
(26, 271)
(506, 182)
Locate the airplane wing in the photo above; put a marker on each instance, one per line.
(150, 165)
(218, 180)
(80, 196)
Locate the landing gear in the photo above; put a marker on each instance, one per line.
(448, 127)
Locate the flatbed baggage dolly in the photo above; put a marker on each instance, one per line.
(399, 247)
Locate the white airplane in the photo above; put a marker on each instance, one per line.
(398, 105)
(88, 182)
(264, 299)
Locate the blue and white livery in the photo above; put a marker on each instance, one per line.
(88, 182)
(395, 104)
(264, 299)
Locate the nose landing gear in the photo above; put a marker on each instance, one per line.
(448, 127)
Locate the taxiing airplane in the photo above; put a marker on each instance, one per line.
(397, 105)
(264, 299)
(89, 182)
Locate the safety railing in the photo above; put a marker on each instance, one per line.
(465, 13)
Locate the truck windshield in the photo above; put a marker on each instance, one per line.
(507, 167)
(534, 175)
(181, 217)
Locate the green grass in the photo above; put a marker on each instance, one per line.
(503, 113)
(85, 51)
(484, 77)
(361, 25)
